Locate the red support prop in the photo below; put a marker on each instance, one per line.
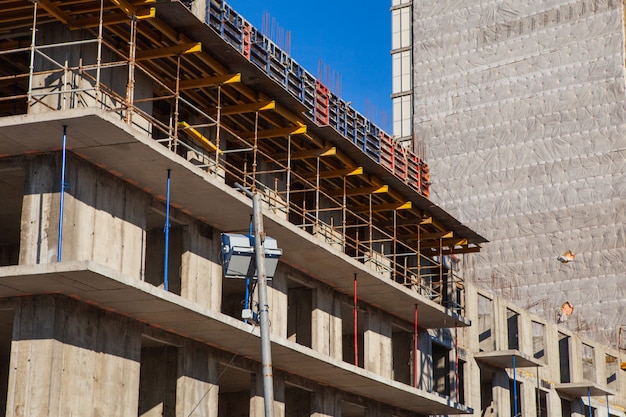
(415, 359)
(356, 327)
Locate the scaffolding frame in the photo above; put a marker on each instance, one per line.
(199, 110)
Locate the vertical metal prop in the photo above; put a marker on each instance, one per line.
(356, 326)
(514, 388)
(62, 197)
(31, 68)
(589, 401)
(166, 263)
(456, 361)
(415, 335)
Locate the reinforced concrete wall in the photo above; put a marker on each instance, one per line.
(520, 108)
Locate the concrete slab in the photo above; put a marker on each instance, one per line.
(177, 314)
(507, 359)
(137, 158)
(583, 389)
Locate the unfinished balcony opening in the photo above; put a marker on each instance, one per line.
(298, 401)
(299, 312)
(11, 198)
(564, 358)
(402, 350)
(442, 372)
(157, 378)
(512, 327)
(6, 336)
(566, 408)
(486, 338)
(157, 246)
(352, 334)
(539, 340)
(234, 391)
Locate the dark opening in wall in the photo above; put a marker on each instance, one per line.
(299, 313)
(486, 393)
(6, 336)
(542, 403)
(566, 408)
(512, 324)
(11, 197)
(402, 348)
(297, 401)
(461, 381)
(155, 251)
(515, 394)
(234, 391)
(157, 378)
(564, 352)
(441, 369)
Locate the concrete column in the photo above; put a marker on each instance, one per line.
(277, 299)
(326, 403)
(40, 210)
(377, 344)
(326, 323)
(257, 406)
(197, 389)
(501, 394)
(68, 358)
(201, 275)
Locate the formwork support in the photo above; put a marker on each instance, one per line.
(62, 196)
(415, 347)
(166, 261)
(130, 86)
(31, 67)
(355, 313)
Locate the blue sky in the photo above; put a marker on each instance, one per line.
(352, 38)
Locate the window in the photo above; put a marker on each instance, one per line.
(611, 366)
(588, 363)
(486, 338)
(401, 28)
(402, 116)
(401, 69)
(441, 369)
(542, 403)
(538, 340)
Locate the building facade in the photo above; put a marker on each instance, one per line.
(127, 132)
(519, 108)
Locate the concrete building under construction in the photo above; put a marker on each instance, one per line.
(519, 109)
(131, 133)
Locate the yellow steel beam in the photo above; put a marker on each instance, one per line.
(208, 81)
(91, 22)
(55, 11)
(274, 133)
(182, 49)
(362, 191)
(425, 236)
(310, 153)
(383, 207)
(249, 108)
(199, 137)
(462, 249)
(444, 242)
(337, 173)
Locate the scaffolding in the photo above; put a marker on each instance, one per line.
(150, 66)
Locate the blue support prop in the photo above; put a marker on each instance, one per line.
(62, 197)
(514, 388)
(167, 234)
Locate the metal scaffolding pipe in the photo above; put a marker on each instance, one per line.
(356, 326)
(167, 235)
(415, 340)
(62, 196)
